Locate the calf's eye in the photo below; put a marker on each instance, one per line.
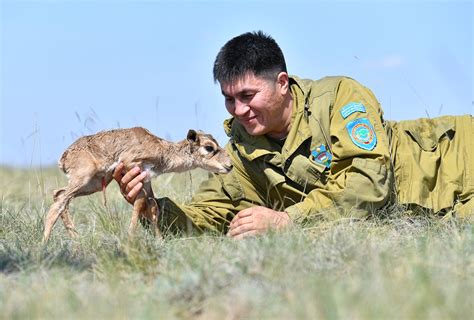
(209, 148)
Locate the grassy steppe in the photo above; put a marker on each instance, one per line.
(394, 268)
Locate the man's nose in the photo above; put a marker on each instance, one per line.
(240, 107)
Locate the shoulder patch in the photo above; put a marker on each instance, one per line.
(362, 133)
(352, 107)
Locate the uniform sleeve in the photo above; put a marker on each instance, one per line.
(213, 205)
(359, 177)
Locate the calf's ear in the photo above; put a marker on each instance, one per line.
(192, 136)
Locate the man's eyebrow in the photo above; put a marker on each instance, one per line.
(240, 93)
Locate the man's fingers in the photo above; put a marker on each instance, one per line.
(136, 180)
(118, 172)
(240, 221)
(134, 192)
(239, 227)
(244, 213)
(129, 176)
(131, 182)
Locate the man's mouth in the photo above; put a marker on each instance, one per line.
(247, 120)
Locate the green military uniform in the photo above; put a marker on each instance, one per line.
(433, 163)
(339, 159)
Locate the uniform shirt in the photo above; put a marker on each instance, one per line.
(334, 162)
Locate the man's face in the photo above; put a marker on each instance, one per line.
(259, 104)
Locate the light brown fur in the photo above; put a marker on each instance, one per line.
(90, 161)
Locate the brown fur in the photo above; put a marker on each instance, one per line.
(90, 162)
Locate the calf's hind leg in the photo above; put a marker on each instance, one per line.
(60, 205)
(63, 197)
(65, 216)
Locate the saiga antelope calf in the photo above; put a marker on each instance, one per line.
(90, 162)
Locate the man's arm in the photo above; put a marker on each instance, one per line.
(359, 178)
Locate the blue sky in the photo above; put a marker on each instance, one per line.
(70, 68)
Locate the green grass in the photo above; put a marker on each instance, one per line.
(396, 268)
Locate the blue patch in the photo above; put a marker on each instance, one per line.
(362, 133)
(322, 156)
(352, 107)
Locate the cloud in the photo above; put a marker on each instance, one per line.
(392, 61)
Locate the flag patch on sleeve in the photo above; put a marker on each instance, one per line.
(322, 156)
(352, 107)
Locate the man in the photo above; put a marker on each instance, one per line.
(303, 148)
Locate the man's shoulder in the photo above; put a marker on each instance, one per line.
(322, 85)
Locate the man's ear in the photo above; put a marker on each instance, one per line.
(283, 81)
(192, 136)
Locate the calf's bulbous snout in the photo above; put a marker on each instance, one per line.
(225, 161)
(226, 168)
(219, 163)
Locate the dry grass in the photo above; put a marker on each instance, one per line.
(395, 268)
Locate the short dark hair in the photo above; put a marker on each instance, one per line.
(250, 52)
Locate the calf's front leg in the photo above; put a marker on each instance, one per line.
(139, 206)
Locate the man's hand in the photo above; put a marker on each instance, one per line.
(130, 182)
(257, 220)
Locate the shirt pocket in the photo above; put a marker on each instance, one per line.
(232, 187)
(425, 162)
(305, 171)
(428, 133)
